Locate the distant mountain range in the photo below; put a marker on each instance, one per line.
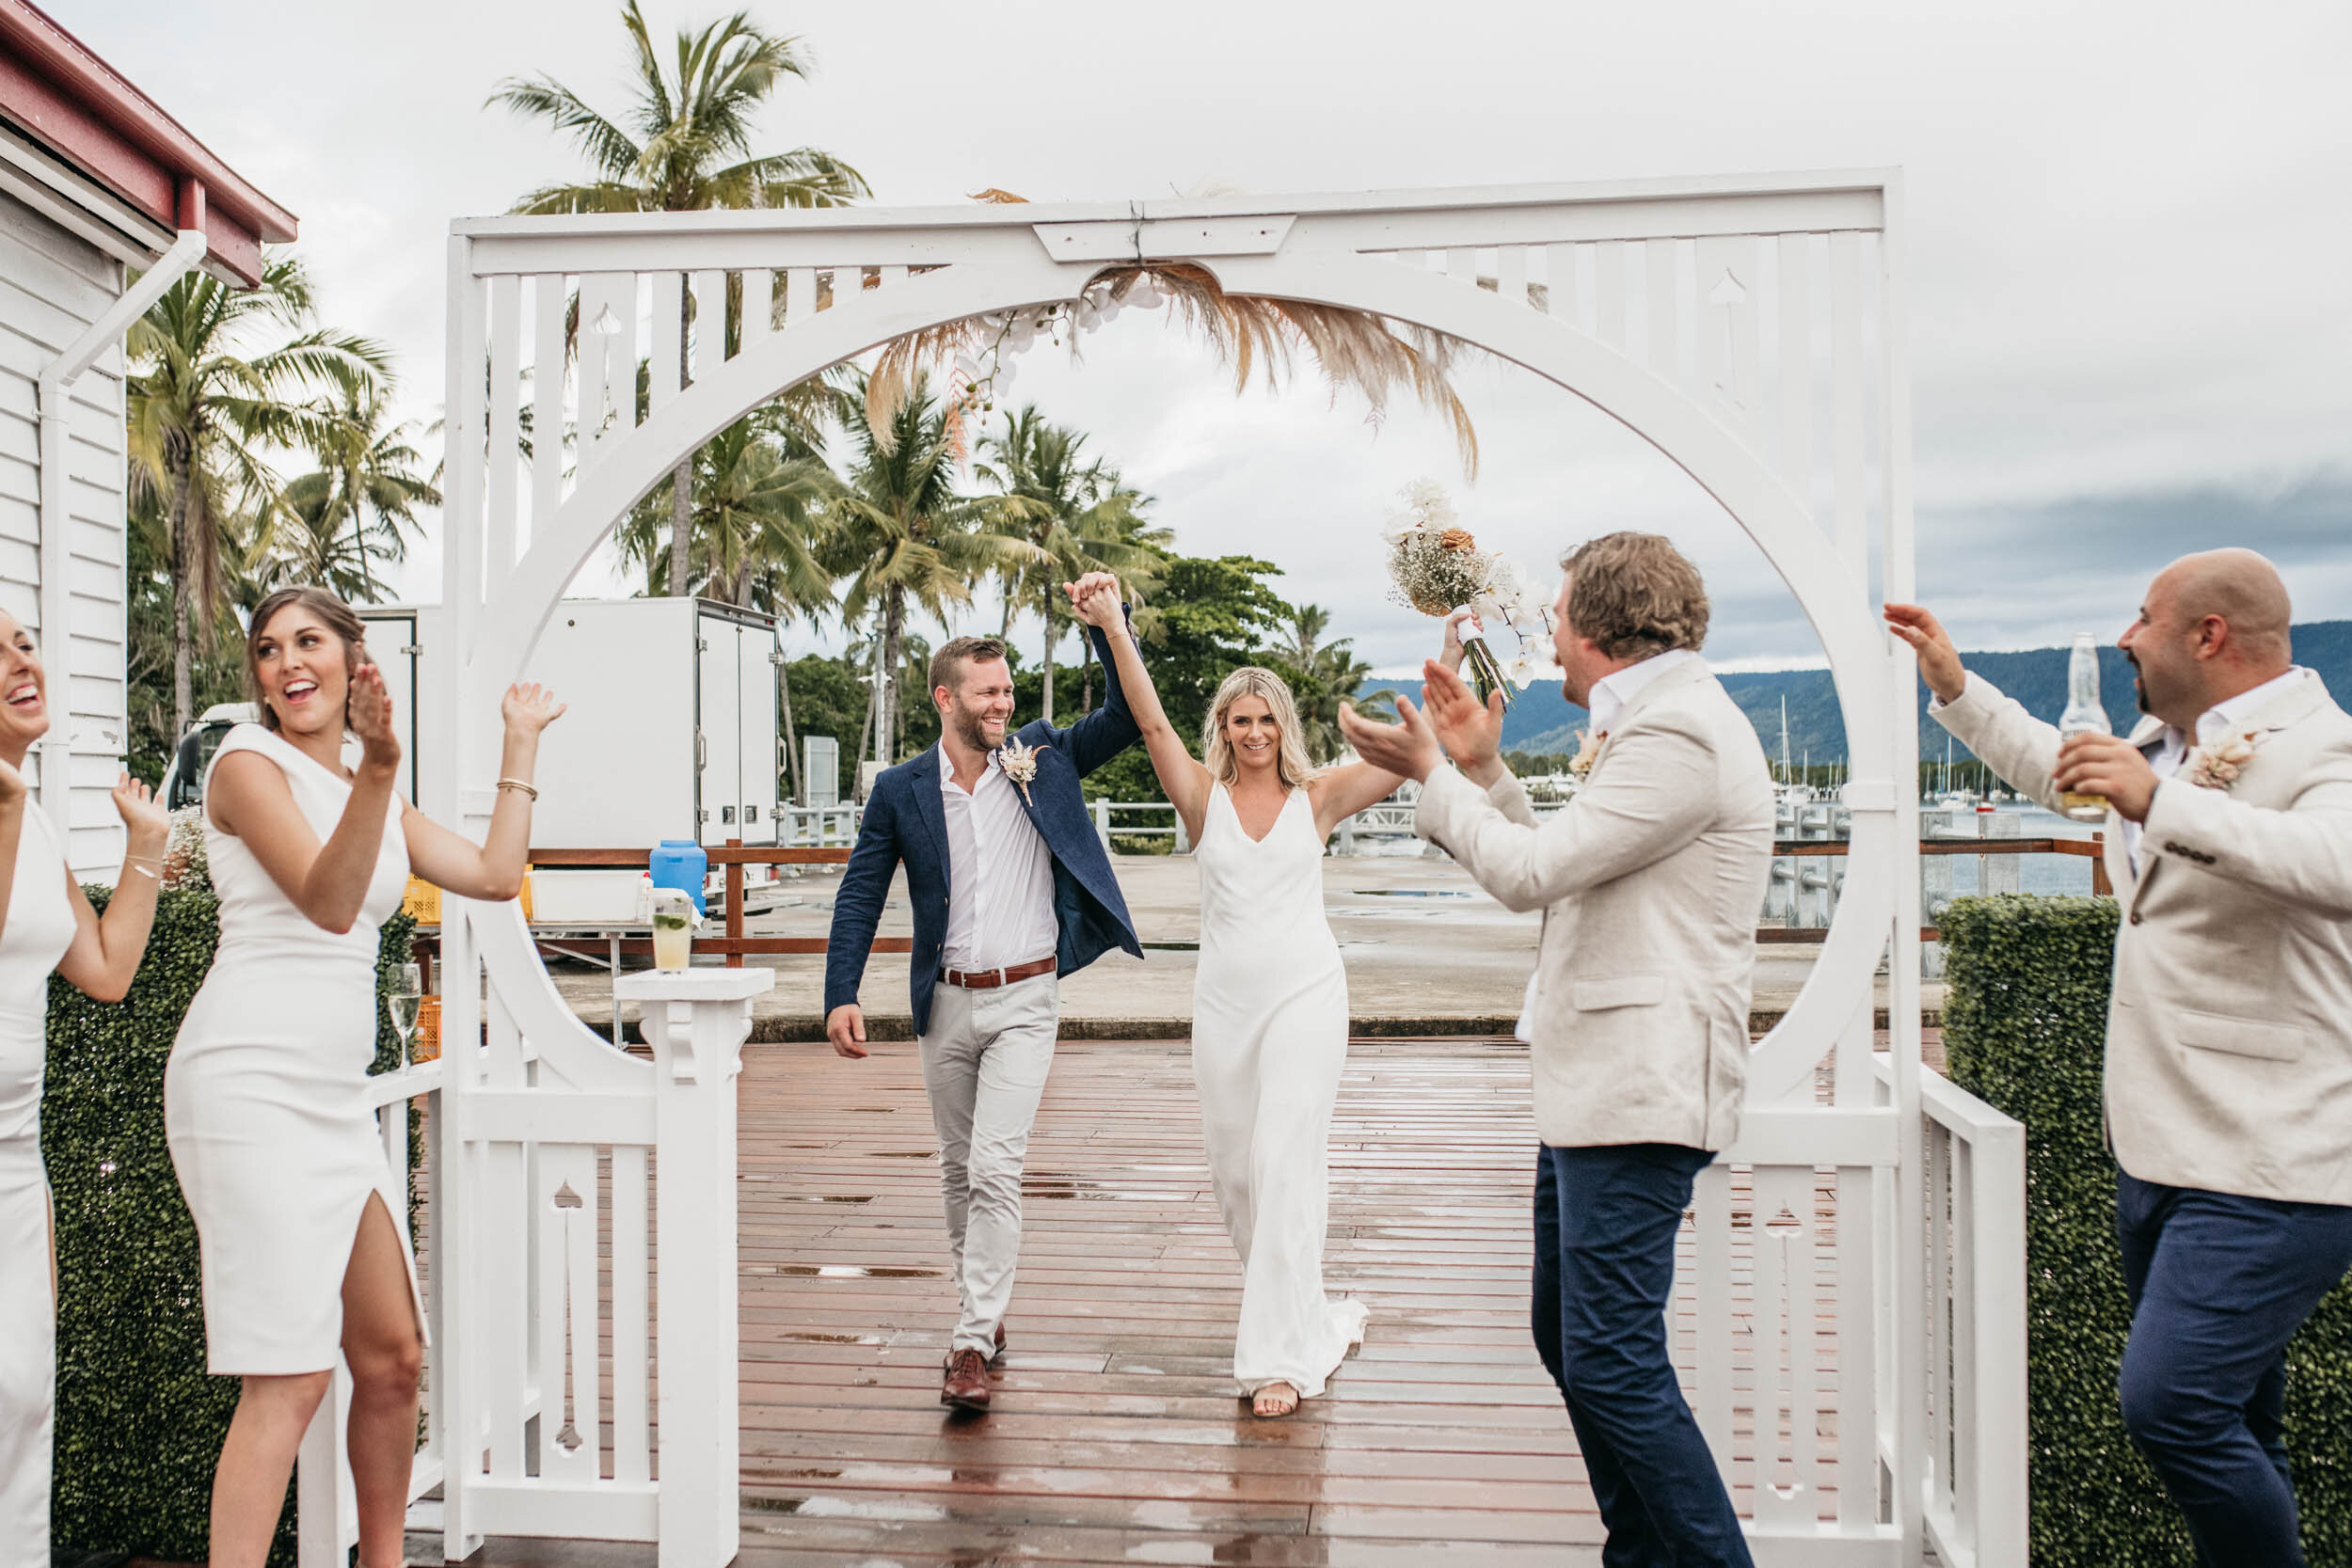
(1541, 720)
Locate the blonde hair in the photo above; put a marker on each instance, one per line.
(1289, 752)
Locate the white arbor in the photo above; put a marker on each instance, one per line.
(1859, 1306)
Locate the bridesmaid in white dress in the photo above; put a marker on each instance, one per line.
(1269, 1018)
(263, 1102)
(45, 923)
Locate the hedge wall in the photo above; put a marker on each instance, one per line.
(2025, 1028)
(139, 1421)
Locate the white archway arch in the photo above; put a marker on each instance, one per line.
(1750, 329)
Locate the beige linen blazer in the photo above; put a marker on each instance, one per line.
(2229, 1055)
(1651, 882)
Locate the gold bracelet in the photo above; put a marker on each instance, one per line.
(518, 783)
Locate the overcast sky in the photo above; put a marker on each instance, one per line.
(2130, 308)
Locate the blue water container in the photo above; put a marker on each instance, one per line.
(679, 863)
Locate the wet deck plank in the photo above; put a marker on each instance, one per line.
(1116, 1435)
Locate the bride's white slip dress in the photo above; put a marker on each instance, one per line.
(38, 929)
(264, 1099)
(1269, 1039)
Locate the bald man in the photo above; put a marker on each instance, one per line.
(2228, 1052)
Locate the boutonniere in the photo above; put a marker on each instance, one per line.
(2217, 767)
(1019, 765)
(1588, 744)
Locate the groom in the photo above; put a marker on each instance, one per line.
(1011, 889)
(1649, 881)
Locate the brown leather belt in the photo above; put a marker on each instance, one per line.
(989, 979)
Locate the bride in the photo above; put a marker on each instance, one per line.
(1269, 1010)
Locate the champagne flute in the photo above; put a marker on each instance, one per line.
(401, 999)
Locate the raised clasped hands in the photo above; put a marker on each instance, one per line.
(529, 709)
(1095, 599)
(2110, 766)
(369, 712)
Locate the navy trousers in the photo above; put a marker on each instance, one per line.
(1605, 1224)
(2218, 1284)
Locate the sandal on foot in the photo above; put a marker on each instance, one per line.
(1267, 1404)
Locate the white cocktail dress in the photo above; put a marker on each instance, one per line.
(38, 929)
(265, 1100)
(1269, 1040)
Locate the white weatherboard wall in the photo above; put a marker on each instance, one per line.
(53, 285)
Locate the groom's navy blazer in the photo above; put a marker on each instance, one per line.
(906, 824)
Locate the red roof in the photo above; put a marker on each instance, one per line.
(89, 115)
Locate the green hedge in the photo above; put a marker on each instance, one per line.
(2025, 1027)
(139, 1421)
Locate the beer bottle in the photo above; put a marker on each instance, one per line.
(2085, 715)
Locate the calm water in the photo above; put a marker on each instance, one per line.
(2042, 873)
(2055, 873)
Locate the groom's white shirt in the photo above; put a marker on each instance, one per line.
(1613, 691)
(1650, 880)
(1000, 875)
(2228, 1052)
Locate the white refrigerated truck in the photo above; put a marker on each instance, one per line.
(671, 732)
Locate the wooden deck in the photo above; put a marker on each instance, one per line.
(1116, 1435)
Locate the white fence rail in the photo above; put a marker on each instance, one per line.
(1976, 1501)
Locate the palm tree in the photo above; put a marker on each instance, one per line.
(309, 543)
(1076, 519)
(368, 467)
(201, 410)
(903, 536)
(759, 494)
(684, 144)
(1328, 675)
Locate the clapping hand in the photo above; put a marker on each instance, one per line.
(1471, 730)
(1408, 749)
(530, 707)
(369, 712)
(143, 816)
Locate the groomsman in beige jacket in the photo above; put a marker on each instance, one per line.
(2228, 1050)
(1651, 882)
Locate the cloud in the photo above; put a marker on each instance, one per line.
(2126, 310)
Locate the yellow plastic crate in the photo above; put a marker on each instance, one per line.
(423, 901)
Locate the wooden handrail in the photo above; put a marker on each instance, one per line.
(733, 853)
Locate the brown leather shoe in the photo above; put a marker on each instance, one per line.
(966, 1385)
(1000, 1346)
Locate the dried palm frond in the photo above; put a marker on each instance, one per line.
(995, 198)
(1253, 333)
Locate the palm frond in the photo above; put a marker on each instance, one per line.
(1255, 334)
(609, 149)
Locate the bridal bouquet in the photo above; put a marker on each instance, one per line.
(1439, 570)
